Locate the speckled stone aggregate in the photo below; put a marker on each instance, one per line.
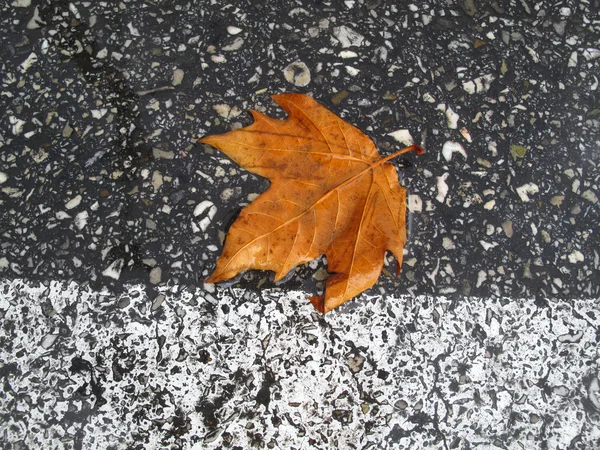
(112, 215)
(89, 370)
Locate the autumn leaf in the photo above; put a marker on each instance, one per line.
(331, 194)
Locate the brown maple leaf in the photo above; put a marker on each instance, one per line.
(331, 193)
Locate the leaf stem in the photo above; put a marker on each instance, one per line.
(416, 148)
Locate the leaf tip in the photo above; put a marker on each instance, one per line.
(212, 140)
(318, 302)
(214, 277)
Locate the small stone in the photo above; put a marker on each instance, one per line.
(17, 125)
(355, 363)
(150, 262)
(201, 208)
(415, 204)
(352, 71)
(67, 130)
(226, 111)
(343, 416)
(81, 220)
(235, 45)
(162, 154)
(339, 97)
(442, 187)
(35, 22)
(158, 301)
(157, 180)
(99, 113)
(48, 340)
(572, 60)
(565, 11)
(177, 77)
(526, 190)
(575, 257)
(488, 245)
(74, 202)
(222, 110)
(451, 147)
(452, 117)
(469, 7)
(562, 391)
(133, 30)
(593, 391)
(233, 30)
(402, 136)
(428, 97)
(61, 215)
(155, 275)
(447, 243)
(321, 274)
(507, 228)
(348, 37)
(401, 405)
(590, 196)
(546, 236)
(518, 151)
(226, 194)
(346, 54)
(114, 270)
(297, 73)
(465, 133)
(3, 177)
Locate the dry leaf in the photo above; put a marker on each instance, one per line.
(331, 193)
